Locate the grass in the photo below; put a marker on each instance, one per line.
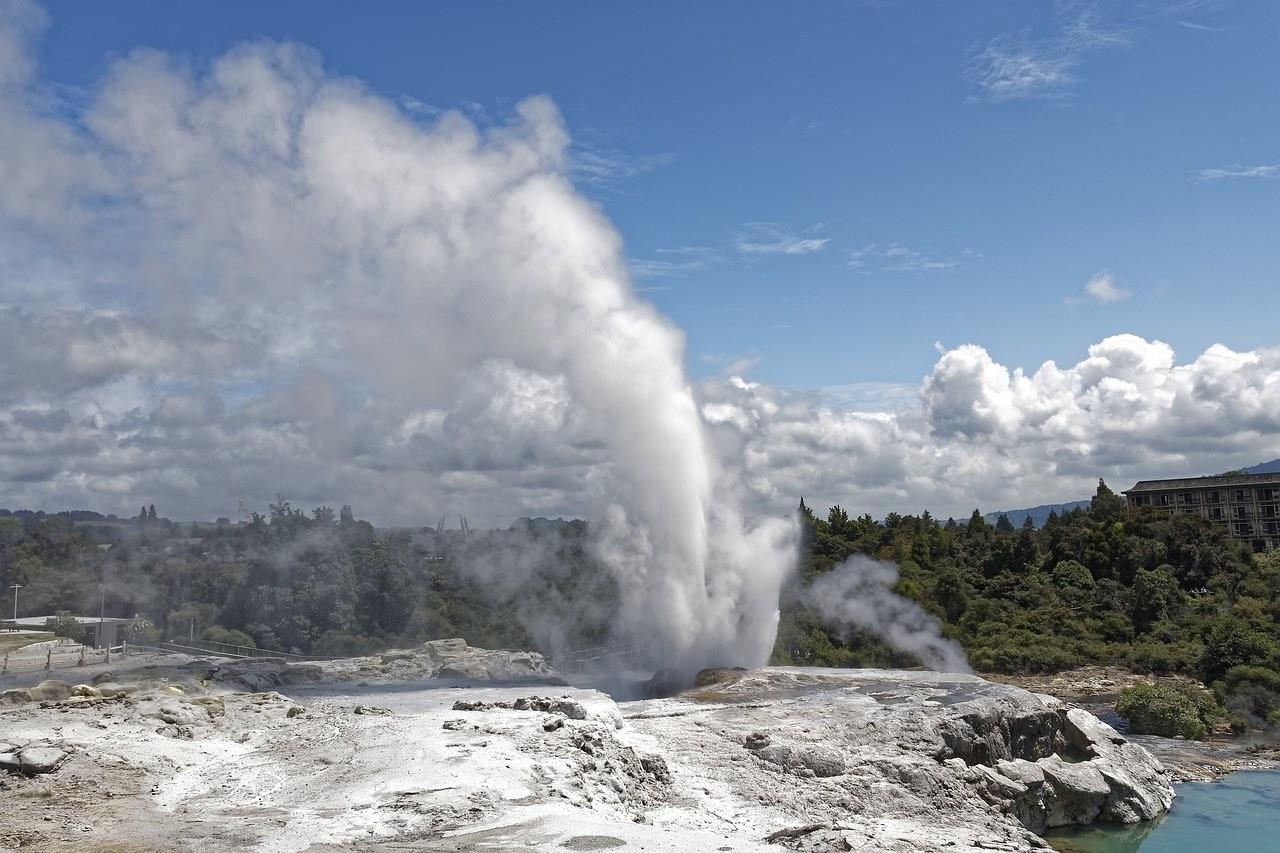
(10, 641)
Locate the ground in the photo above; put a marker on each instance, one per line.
(448, 748)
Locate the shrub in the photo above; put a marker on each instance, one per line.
(63, 624)
(1232, 642)
(1171, 710)
(230, 636)
(1252, 695)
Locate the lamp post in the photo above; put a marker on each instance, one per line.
(15, 588)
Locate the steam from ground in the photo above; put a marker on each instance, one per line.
(272, 222)
(858, 593)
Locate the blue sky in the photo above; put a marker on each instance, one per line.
(978, 213)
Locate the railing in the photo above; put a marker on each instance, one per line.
(58, 656)
(229, 650)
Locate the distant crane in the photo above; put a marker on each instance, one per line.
(466, 528)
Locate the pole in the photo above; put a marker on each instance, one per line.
(102, 607)
(15, 588)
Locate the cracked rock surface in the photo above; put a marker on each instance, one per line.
(189, 758)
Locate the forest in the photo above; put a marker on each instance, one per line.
(1102, 584)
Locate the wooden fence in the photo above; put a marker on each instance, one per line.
(58, 656)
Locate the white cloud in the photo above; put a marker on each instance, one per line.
(895, 257)
(1239, 172)
(604, 167)
(770, 238)
(1105, 289)
(1018, 67)
(982, 434)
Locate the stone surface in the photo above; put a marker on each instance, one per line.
(780, 758)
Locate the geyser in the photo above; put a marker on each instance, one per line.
(293, 228)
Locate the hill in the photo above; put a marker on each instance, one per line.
(1038, 513)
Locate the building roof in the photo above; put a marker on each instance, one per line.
(1224, 481)
(39, 621)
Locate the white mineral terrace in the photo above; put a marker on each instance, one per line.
(450, 748)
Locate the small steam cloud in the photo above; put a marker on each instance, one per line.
(858, 593)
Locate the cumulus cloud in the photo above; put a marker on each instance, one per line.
(982, 434)
(1105, 289)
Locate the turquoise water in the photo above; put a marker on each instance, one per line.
(1239, 813)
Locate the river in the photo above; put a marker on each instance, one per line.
(1238, 813)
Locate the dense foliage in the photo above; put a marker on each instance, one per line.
(1103, 584)
(315, 584)
(1171, 709)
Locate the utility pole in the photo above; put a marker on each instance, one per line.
(15, 588)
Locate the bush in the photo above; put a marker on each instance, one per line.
(1171, 710)
(1252, 695)
(63, 624)
(229, 636)
(1232, 642)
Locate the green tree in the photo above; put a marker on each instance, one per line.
(1232, 642)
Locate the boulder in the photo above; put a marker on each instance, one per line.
(51, 689)
(41, 759)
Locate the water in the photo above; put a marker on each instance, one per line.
(1237, 814)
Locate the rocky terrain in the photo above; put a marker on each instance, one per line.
(447, 747)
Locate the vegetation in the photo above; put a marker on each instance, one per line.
(1102, 584)
(318, 583)
(1172, 710)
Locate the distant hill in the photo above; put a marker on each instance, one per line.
(1272, 467)
(1038, 513)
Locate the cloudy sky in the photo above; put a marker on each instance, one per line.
(978, 257)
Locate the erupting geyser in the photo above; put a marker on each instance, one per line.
(296, 224)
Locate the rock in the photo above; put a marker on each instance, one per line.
(183, 732)
(295, 711)
(1077, 794)
(656, 767)
(111, 690)
(51, 689)
(86, 691)
(17, 696)
(553, 724)
(756, 740)
(366, 710)
(41, 759)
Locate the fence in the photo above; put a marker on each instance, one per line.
(57, 656)
(228, 650)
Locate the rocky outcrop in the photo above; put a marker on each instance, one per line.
(32, 759)
(925, 748)
(446, 659)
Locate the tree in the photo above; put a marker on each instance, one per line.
(977, 524)
(151, 513)
(1154, 592)
(1232, 642)
(346, 517)
(1003, 524)
(1106, 504)
(63, 624)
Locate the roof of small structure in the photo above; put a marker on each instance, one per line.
(1224, 481)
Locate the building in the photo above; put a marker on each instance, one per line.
(1247, 506)
(101, 632)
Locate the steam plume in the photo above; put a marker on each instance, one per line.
(859, 594)
(280, 224)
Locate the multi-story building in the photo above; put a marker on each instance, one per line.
(1246, 505)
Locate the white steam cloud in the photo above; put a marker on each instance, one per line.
(858, 593)
(268, 224)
